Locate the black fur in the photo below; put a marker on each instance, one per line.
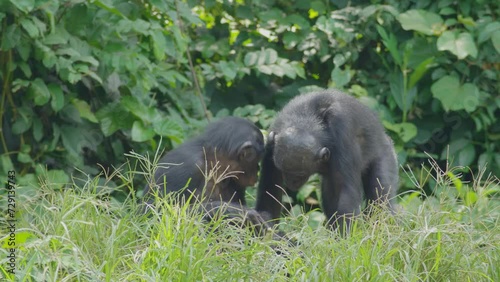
(333, 134)
(232, 143)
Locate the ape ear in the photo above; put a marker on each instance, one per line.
(270, 137)
(324, 154)
(324, 114)
(247, 152)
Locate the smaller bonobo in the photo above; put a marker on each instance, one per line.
(215, 167)
(333, 134)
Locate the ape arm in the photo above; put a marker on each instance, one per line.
(342, 187)
(269, 194)
(237, 213)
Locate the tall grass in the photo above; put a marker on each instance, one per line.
(81, 234)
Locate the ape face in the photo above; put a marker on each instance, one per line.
(294, 181)
(249, 155)
(298, 155)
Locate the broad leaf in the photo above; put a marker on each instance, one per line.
(57, 101)
(30, 27)
(340, 78)
(405, 130)
(159, 44)
(114, 117)
(251, 59)
(25, 6)
(461, 45)
(495, 39)
(422, 21)
(141, 133)
(39, 92)
(170, 129)
(454, 96)
(84, 110)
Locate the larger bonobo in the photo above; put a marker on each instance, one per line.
(214, 167)
(333, 134)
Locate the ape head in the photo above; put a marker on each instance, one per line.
(298, 154)
(239, 144)
(248, 157)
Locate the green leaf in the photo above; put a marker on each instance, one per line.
(289, 72)
(271, 15)
(454, 96)
(265, 69)
(84, 110)
(229, 69)
(49, 59)
(454, 147)
(30, 27)
(141, 133)
(24, 50)
(56, 176)
(39, 92)
(420, 71)
(467, 21)
(138, 109)
(57, 101)
(105, 5)
(318, 6)
(22, 124)
(10, 37)
(495, 39)
(340, 78)
(114, 117)
(5, 164)
(25, 68)
(72, 140)
(403, 97)
(159, 44)
(270, 56)
(277, 70)
(461, 45)
(467, 155)
(25, 6)
(488, 31)
(291, 39)
(170, 129)
(24, 158)
(299, 69)
(60, 37)
(339, 60)
(88, 59)
(325, 24)
(244, 12)
(251, 59)
(446, 11)
(422, 21)
(406, 130)
(37, 130)
(390, 42)
(297, 20)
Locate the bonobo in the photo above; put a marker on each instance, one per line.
(215, 167)
(334, 135)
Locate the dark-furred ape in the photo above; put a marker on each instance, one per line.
(333, 134)
(215, 168)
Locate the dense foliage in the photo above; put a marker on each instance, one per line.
(84, 82)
